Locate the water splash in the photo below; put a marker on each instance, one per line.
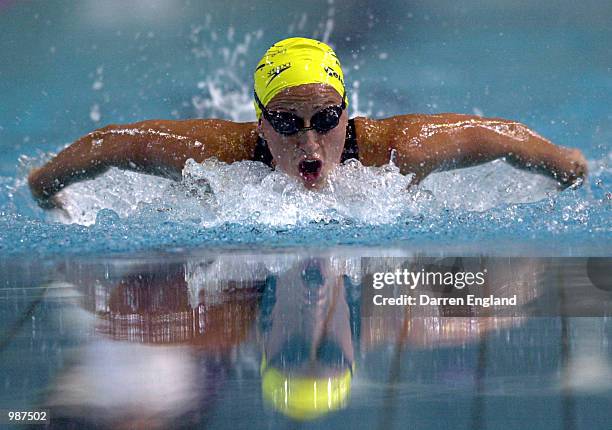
(224, 91)
(213, 193)
(246, 203)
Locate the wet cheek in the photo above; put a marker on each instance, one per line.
(334, 146)
(283, 157)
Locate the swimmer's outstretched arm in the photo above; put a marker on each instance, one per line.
(157, 147)
(428, 143)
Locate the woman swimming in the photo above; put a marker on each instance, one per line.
(303, 129)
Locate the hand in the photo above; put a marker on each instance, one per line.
(43, 199)
(574, 168)
(53, 202)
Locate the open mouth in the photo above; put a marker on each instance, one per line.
(310, 169)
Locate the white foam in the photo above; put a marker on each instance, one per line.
(484, 187)
(213, 193)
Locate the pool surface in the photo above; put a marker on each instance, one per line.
(212, 339)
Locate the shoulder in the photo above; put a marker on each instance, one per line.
(377, 137)
(228, 141)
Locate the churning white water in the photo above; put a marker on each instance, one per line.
(213, 193)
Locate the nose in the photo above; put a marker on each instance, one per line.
(308, 140)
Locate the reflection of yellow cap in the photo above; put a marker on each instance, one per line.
(296, 61)
(304, 398)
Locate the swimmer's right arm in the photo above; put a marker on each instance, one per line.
(158, 147)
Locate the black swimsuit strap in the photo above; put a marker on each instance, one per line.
(350, 151)
(262, 152)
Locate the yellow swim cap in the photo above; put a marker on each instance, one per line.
(304, 398)
(296, 61)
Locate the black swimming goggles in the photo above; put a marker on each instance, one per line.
(288, 123)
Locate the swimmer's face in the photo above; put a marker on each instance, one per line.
(307, 155)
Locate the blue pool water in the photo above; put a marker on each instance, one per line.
(77, 68)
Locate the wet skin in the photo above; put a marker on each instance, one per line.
(418, 144)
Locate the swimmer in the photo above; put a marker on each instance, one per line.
(303, 129)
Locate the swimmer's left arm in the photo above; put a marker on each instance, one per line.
(426, 143)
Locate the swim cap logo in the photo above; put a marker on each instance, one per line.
(272, 74)
(331, 72)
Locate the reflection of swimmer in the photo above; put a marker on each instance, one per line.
(165, 354)
(154, 308)
(307, 363)
(303, 129)
(172, 303)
